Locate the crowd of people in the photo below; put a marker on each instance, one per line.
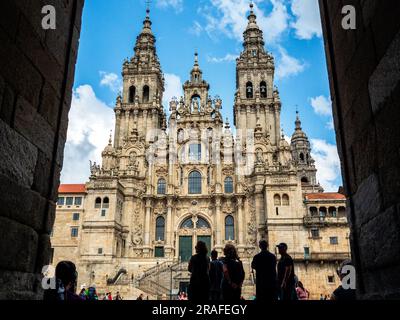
(222, 278)
(218, 279)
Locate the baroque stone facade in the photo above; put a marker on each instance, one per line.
(165, 183)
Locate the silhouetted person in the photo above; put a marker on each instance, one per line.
(199, 265)
(286, 274)
(216, 275)
(66, 281)
(341, 293)
(264, 263)
(233, 275)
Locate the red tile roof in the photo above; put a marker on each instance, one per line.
(325, 196)
(72, 188)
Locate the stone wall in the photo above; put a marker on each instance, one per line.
(36, 76)
(364, 78)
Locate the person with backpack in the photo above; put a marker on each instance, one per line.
(216, 275)
(233, 275)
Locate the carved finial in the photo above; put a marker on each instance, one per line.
(110, 139)
(148, 8)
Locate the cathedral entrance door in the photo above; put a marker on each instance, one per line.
(207, 241)
(185, 248)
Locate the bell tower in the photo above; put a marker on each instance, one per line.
(140, 107)
(257, 102)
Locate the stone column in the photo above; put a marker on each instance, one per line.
(145, 122)
(260, 217)
(117, 128)
(218, 223)
(240, 221)
(169, 227)
(147, 223)
(127, 114)
(277, 124)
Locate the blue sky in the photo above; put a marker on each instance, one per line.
(292, 33)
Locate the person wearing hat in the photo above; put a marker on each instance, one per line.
(286, 274)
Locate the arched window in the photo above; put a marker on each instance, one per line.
(304, 180)
(160, 228)
(188, 223)
(228, 185)
(229, 228)
(195, 182)
(263, 89)
(106, 203)
(202, 223)
(322, 212)
(277, 200)
(313, 211)
(97, 203)
(285, 200)
(195, 152)
(249, 90)
(332, 212)
(146, 94)
(301, 156)
(161, 186)
(342, 212)
(132, 94)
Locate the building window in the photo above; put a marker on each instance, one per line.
(331, 279)
(229, 228)
(146, 94)
(302, 157)
(285, 200)
(188, 223)
(97, 203)
(78, 201)
(315, 233)
(132, 94)
(332, 212)
(74, 232)
(60, 201)
(263, 89)
(106, 203)
(306, 253)
(228, 185)
(249, 90)
(75, 216)
(159, 252)
(160, 229)
(334, 240)
(103, 212)
(342, 212)
(304, 180)
(202, 223)
(161, 186)
(277, 211)
(195, 152)
(277, 200)
(100, 251)
(69, 201)
(313, 212)
(195, 182)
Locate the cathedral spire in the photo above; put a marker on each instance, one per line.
(298, 121)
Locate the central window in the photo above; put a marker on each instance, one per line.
(195, 182)
(195, 152)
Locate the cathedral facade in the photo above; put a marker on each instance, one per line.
(166, 182)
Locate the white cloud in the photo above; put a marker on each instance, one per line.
(230, 18)
(196, 29)
(330, 124)
(228, 58)
(90, 122)
(173, 88)
(328, 164)
(111, 81)
(308, 21)
(321, 105)
(177, 5)
(287, 65)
